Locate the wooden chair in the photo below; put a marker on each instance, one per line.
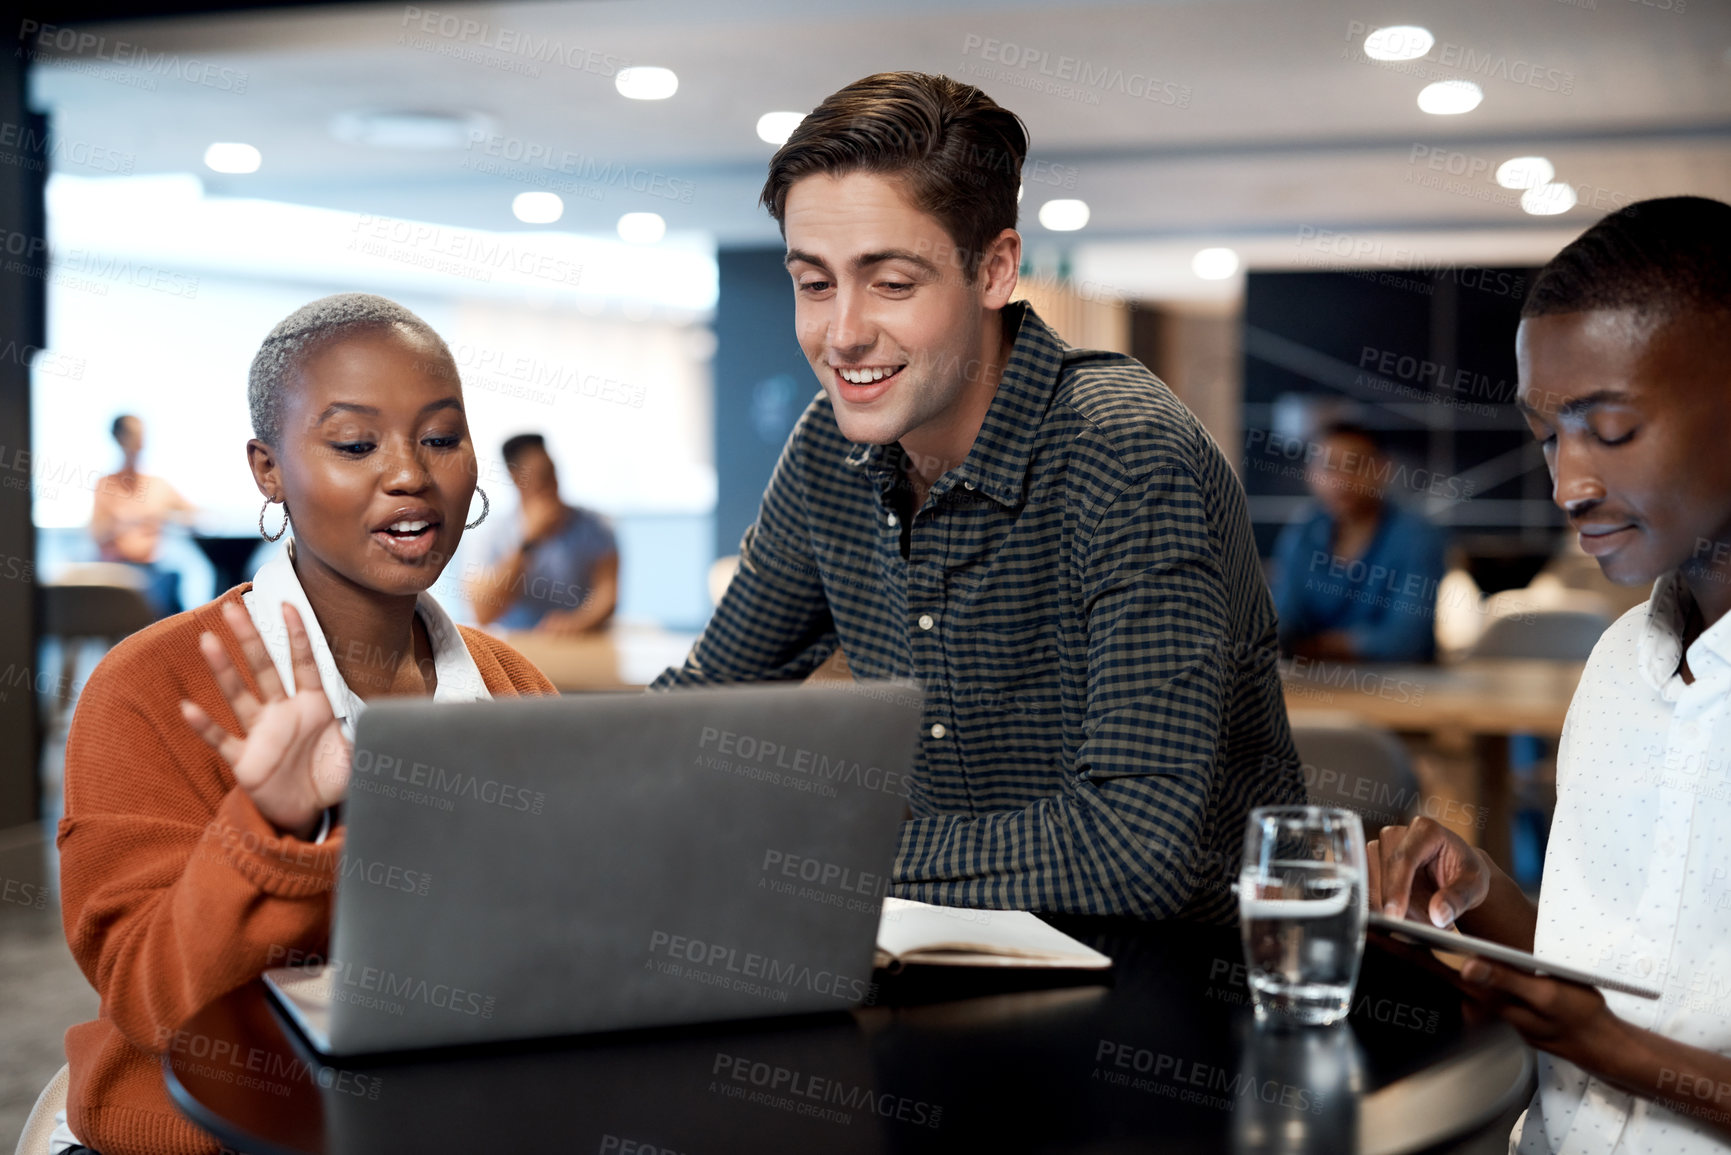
(78, 614)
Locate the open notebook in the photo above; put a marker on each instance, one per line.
(919, 933)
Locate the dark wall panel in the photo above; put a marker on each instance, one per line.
(762, 384)
(1426, 358)
(21, 333)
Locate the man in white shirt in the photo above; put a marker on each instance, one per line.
(1622, 351)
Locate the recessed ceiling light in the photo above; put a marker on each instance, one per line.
(1525, 172)
(229, 156)
(1064, 216)
(644, 82)
(1398, 42)
(1214, 264)
(642, 228)
(537, 208)
(419, 131)
(1450, 97)
(1548, 199)
(775, 127)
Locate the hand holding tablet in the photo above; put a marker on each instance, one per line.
(1453, 942)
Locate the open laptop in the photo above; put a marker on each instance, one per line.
(553, 866)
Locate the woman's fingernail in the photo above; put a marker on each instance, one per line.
(1448, 915)
(1392, 909)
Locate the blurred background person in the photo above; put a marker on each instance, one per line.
(556, 569)
(128, 514)
(1356, 578)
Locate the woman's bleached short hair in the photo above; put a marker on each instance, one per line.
(313, 327)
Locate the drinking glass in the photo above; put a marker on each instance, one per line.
(1302, 907)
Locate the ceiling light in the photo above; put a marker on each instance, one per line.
(1064, 216)
(642, 228)
(228, 156)
(537, 208)
(1525, 172)
(644, 82)
(1214, 264)
(418, 131)
(776, 127)
(1548, 199)
(1399, 42)
(1450, 97)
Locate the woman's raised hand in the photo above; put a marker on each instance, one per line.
(293, 759)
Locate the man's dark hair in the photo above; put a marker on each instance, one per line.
(516, 446)
(958, 151)
(1659, 257)
(119, 424)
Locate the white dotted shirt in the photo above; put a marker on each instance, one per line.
(1638, 871)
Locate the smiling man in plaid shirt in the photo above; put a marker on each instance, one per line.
(1044, 537)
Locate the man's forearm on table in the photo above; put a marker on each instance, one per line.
(1046, 857)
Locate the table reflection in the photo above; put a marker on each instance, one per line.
(1164, 1054)
(1297, 1089)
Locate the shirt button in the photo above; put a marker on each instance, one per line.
(926, 622)
(938, 730)
(891, 519)
(967, 485)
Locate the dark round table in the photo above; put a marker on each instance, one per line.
(1164, 1055)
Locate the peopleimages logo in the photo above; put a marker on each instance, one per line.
(530, 47)
(383, 768)
(1367, 470)
(1320, 244)
(1437, 375)
(83, 43)
(825, 883)
(376, 988)
(476, 256)
(589, 170)
(722, 961)
(30, 147)
(1174, 1077)
(762, 755)
(478, 363)
(1088, 78)
(257, 1067)
(387, 875)
(1452, 60)
(804, 1088)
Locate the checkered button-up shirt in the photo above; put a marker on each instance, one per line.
(1081, 599)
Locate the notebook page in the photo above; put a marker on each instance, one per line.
(908, 928)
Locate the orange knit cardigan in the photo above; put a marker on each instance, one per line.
(174, 889)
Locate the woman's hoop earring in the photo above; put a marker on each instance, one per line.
(486, 508)
(285, 521)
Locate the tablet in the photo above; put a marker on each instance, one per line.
(1453, 943)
